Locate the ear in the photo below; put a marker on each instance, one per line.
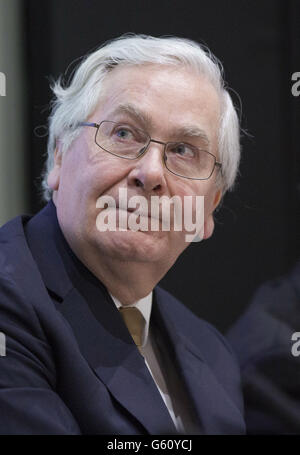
(209, 223)
(54, 174)
(217, 199)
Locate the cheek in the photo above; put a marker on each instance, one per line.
(104, 175)
(90, 176)
(200, 189)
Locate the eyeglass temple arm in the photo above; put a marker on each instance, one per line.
(94, 125)
(217, 163)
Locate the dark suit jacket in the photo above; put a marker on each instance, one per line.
(262, 339)
(71, 366)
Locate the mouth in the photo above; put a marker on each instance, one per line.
(139, 213)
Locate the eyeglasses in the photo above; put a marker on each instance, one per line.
(128, 142)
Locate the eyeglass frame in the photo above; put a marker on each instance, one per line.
(97, 126)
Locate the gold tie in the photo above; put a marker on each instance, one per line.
(135, 322)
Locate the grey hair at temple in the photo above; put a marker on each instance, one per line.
(75, 102)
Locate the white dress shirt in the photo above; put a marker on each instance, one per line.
(151, 360)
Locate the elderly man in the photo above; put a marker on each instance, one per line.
(93, 345)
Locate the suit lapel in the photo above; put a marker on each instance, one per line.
(116, 360)
(100, 332)
(213, 409)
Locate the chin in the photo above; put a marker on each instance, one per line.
(133, 246)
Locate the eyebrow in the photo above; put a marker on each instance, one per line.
(143, 118)
(133, 112)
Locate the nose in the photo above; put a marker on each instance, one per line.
(149, 170)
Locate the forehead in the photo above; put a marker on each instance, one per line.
(165, 96)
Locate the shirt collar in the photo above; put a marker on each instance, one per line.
(145, 306)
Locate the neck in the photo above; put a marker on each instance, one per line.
(128, 281)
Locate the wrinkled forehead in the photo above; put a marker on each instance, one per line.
(161, 97)
(155, 76)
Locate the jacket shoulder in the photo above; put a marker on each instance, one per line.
(22, 290)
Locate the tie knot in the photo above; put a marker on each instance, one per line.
(135, 322)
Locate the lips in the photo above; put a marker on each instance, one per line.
(138, 213)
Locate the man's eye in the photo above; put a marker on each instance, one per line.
(124, 134)
(183, 150)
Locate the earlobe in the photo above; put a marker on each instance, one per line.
(218, 197)
(209, 226)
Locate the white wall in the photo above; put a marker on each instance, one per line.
(13, 170)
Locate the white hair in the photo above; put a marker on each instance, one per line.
(74, 103)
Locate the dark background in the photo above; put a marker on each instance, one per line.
(257, 228)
